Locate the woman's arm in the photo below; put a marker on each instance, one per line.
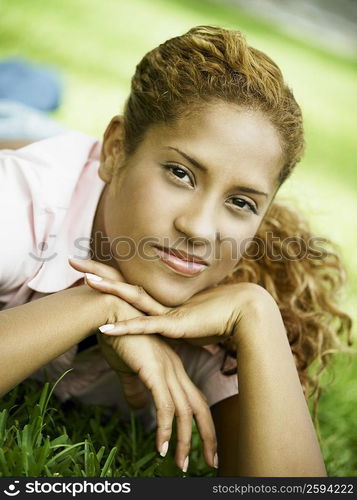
(33, 334)
(266, 430)
(271, 433)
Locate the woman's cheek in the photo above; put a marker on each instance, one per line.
(149, 203)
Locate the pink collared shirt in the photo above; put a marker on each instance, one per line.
(49, 194)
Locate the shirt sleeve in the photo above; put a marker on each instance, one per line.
(17, 242)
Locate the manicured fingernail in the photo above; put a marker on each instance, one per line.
(93, 277)
(106, 328)
(185, 465)
(164, 448)
(215, 461)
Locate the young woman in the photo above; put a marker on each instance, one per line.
(192, 262)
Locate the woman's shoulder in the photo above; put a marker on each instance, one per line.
(37, 184)
(46, 172)
(69, 148)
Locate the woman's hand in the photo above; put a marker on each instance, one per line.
(132, 386)
(160, 369)
(212, 315)
(174, 394)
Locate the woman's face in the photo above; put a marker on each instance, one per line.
(194, 191)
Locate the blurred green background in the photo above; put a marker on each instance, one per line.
(97, 44)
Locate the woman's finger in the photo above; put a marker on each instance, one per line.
(147, 325)
(184, 415)
(172, 325)
(170, 400)
(205, 425)
(95, 268)
(190, 402)
(134, 295)
(207, 431)
(165, 408)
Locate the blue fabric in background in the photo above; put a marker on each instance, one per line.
(35, 85)
(18, 121)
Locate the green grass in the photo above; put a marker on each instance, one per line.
(336, 418)
(41, 437)
(96, 45)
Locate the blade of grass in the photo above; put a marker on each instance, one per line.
(3, 464)
(3, 419)
(63, 452)
(108, 462)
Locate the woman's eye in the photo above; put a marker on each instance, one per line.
(178, 173)
(240, 203)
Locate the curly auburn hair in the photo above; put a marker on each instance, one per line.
(305, 275)
(210, 64)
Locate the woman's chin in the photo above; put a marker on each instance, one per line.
(168, 292)
(168, 298)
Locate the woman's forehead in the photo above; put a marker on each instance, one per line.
(225, 127)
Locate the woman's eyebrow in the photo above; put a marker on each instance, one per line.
(195, 163)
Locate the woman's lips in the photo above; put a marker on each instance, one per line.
(186, 267)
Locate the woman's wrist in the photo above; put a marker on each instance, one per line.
(90, 307)
(258, 312)
(118, 309)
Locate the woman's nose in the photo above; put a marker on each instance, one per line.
(197, 223)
